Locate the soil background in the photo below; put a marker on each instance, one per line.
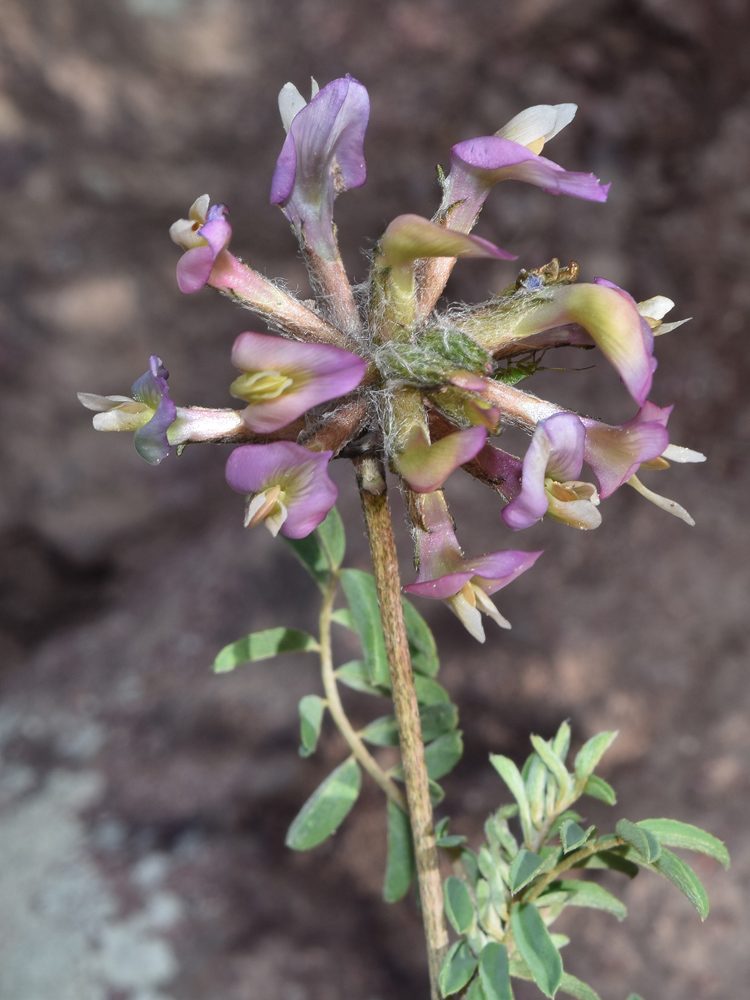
(143, 801)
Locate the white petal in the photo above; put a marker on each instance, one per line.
(670, 506)
(468, 615)
(540, 123)
(123, 420)
(656, 307)
(101, 403)
(199, 209)
(275, 520)
(676, 453)
(291, 102)
(314, 88)
(668, 327)
(486, 605)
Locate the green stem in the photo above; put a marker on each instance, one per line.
(371, 479)
(355, 744)
(570, 861)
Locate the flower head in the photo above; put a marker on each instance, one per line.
(284, 378)
(321, 157)
(464, 584)
(149, 412)
(203, 235)
(287, 486)
(549, 480)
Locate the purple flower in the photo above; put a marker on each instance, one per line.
(321, 157)
(150, 412)
(284, 378)
(464, 584)
(616, 453)
(203, 236)
(425, 466)
(611, 319)
(549, 479)
(287, 486)
(513, 154)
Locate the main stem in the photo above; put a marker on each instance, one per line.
(371, 478)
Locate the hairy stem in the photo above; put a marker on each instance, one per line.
(355, 744)
(371, 477)
(603, 844)
(333, 292)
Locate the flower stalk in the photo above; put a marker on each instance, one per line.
(377, 516)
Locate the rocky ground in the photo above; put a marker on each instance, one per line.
(143, 801)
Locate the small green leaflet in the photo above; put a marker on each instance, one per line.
(523, 868)
(399, 868)
(458, 967)
(494, 972)
(582, 893)
(475, 991)
(311, 709)
(429, 692)
(536, 947)
(512, 778)
(359, 588)
(561, 742)
(576, 988)
(572, 835)
(598, 788)
(356, 676)
(592, 752)
(326, 808)
(457, 904)
(682, 876)
(343, 616)
(673, 833)
(645, 843)
(262, 646)
(332, 538)
(553, 764)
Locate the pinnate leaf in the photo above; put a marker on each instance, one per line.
(262, 646)
(326, 808)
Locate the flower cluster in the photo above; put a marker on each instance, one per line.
(391, 374)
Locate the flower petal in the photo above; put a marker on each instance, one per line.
(497, 569)
(307, 491)
(318, 372)
(410, 237)
(322, 157)
(538, 124)
(194, 269)
(615, 453)
(425, 467)
(151, 441)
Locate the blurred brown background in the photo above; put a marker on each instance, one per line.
(143, 802)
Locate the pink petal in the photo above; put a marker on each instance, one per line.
(194, 269)
(426, 467)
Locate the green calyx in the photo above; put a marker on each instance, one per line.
(434, 358)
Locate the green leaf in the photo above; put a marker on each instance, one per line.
(436, 721)
(682, 876)
(553, 764)
(326, 808)
(535, 779)
(494, 972)
(310, 553)
(634, 996)
(332, 538)
(598, 788)
(563, 818)
(536, 947)
(344, 617)
(356, 676)
(262, 646)
(576, 988)
(475, 991)
(437, 794)
(673, 833)
(572, 835)
(512, 778)
(561, 742)
(429, 692)
(523, 868)
(362, 596)
(443, 754)
(458, 967)
(451, 840)
(470, 866)
(399, 868)
(457, 904)
(582, 893)
(613, 860)
(592, 752)
(424, 655)
(311, 709)
(645, 843)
